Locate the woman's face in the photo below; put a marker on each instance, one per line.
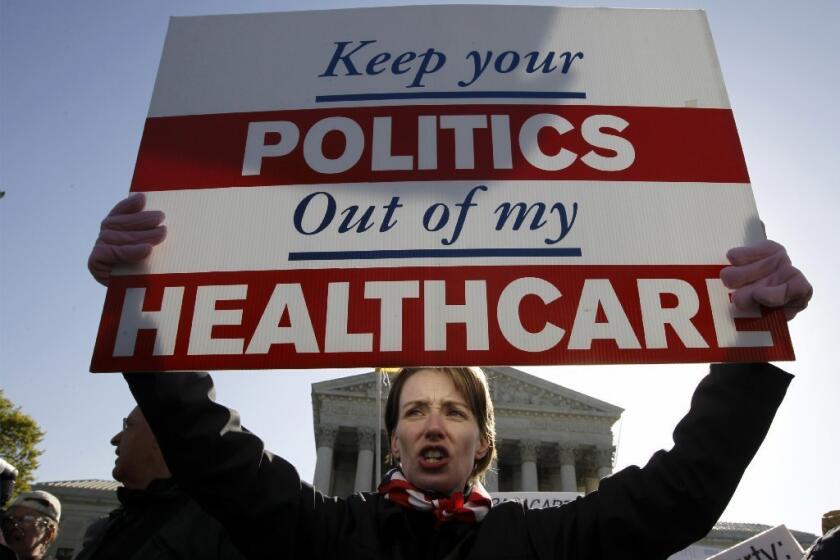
(437, 439)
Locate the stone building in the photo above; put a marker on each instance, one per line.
(549, 438)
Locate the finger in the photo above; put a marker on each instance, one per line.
(103, 258)
(746, 255)
(793, 292)
(126, 254)
(147, 219)
(796, 293)
(780, 296)
(99, 267)
(799, 293)
(130, 204)
(771, 296)
(741, 275)
(799, 289)
(109, 255)
(742, 298)
(100, 272)
(117, 237)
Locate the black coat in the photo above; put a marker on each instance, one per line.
(158, 523)
(827, 546)
(646, 513)
(7, 553)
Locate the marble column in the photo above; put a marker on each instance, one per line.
(568, 476)
(528, 450)
(364, 461)
(604, 461)
(586, 469)
(325, 437)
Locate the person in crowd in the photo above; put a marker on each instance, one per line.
(29, 526)
(155, 518)
(830, 520)
(440, 425)
(827, 547)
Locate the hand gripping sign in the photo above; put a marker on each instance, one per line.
(402, 186)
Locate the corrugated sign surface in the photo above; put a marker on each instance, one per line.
(404, 186)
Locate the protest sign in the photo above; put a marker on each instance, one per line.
(695, 552)
(535, 500)
(403, 186)
(774, 544)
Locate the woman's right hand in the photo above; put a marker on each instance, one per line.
(127, 235)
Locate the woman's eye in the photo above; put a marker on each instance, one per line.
(457, 413)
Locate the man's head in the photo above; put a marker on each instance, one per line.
(139, 460)
(31, 524)
(441, 426)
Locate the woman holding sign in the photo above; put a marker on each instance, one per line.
(440, 425)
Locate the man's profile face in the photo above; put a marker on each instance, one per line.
(138, 457)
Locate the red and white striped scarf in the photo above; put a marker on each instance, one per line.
(469, 509)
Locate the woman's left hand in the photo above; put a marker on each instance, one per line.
(763, 274)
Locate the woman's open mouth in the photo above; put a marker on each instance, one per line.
(433, 457)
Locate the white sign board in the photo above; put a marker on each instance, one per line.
(403, 186)
(695, 552)
(774, 544)
(535, 500)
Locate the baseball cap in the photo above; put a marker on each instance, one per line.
(40, 501)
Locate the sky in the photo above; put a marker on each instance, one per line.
(75, 83)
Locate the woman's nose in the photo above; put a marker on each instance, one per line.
(434, 425)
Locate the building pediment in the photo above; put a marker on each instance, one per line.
(363, 385)
(512, 389)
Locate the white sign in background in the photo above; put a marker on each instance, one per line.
(774, 544)
(535, 500)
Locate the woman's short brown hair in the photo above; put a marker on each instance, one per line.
(472, 385)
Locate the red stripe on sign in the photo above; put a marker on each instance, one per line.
(440, 142)
(534, 315)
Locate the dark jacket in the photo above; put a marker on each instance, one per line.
(7, 553)
(160, 522)
(827, 546)
(645, 513)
